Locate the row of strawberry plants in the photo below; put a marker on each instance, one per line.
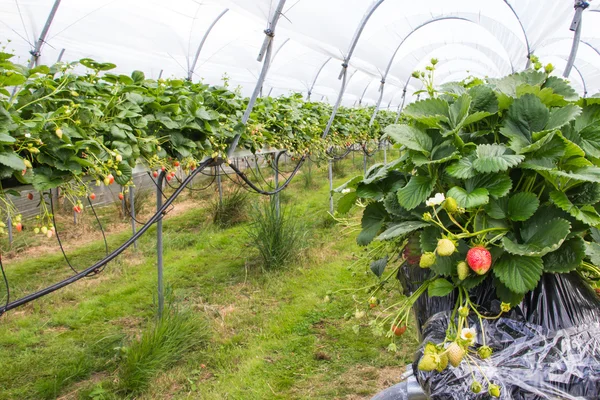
(69, 124)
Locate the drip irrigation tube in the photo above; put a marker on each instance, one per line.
(111, 256)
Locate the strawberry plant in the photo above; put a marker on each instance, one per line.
(497, 181)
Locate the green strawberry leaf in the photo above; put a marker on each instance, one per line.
(525, 116)
(494, 158)
(567, 258)
(378, 266)
(372, 221)
(440, 288)
(519, 274)
(401, 229)
(429, 112)
(522, 206)
(415, 192)
(586, 214)
(475, 198)
(497, 185)
(562, 116)
(346, 202)
(539, 239)
(463, 168)
(411, 137)
(506, 295)
(592, 251)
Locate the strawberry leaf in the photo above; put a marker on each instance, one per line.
(378, 266)
(440, 288)
(402, 228)
(372, 221)
(494, 158)
(519, 274)
(567, 258)
(522, 206)
(411, 137)
(586, 214)
(472, 199)
(415, 192)
(539, 239)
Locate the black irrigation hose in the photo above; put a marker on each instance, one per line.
(5, 283)
(337, 157)
(101, 228)
(159, 214)
(277, 190)
(62, 249)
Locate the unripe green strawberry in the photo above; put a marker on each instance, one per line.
(450, 205)
(476, 387)
(427, 260)
(494, 390)
(479, 259)
(463, 311)
(445, 247)
(463, 270)
(455, 354)
(412, 251)
(442, 362)
(485, 352)
(427, 363)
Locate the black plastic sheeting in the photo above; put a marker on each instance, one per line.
(548, 347)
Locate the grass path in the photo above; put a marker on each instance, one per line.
(271, 334)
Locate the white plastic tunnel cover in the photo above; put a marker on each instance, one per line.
(469, 37)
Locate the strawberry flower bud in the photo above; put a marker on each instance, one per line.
(485, 352)
(505, 307)
(464, 311)
(476, 387)
(494, 390)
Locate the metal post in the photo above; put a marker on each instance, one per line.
(123, 203)
(36, 52)
(160, 74)
(265, 52)
(10, 231)
(132, 212)
(159, 245)
(365, 160)
(219, 184)
(197, 56)
(363, 94)
(330, 174)
(529, 51)
(316, 77)
(277, 203)
(575, 27)
(74, 217)
(585, 92)
(346, 62)
(60, 55)
(385, 153)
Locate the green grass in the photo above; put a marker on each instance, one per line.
(271, 334)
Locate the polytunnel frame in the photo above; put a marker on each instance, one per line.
(314, 82)
(391, 62)
(201, 45)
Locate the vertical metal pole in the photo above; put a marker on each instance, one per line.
(219, 184)
(575, 27)
(316, 77)
(123, 204)
(159, 245)
(74, 217)
(160, 74)
(132, 211)
(265, 52)
(365, 160)
(10, 231)
(36, 52)
(385, 153)
(197, 56)
(60, 56)
(330, 173)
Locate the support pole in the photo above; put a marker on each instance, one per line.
(219, 184)
(197, 56)
(265, 53)
(60, 55)
(277, 200)
(10, 231)
(310, 90)
(575, 27)
(346, 63)
(330, 175)
(365, 160)
(132, 212)
(385, 153)
(529, 50)
(159, 245)
(36, 52)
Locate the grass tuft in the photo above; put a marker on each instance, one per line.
(278, 237)
(231, 211)
(160, 346)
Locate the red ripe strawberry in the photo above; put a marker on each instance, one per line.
(398, 330)
(479, 260)
(155, 174)
(163, 168)
(93, 196)
(176, 163)
(19, 227)
(30, 196)
(111, 179)
(597, 291)
(77, 209)
(169, 177)
(121, 197)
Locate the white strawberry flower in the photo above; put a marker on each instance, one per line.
(28, 135)
(346, 191)
(469, 335)
(436, 200)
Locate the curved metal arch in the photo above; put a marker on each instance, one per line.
(585, 92)
(391, 62)
(344, 72)
(529, 51)
(201, 45)
(314, 82)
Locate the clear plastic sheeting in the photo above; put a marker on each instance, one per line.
(546, 348)
(469, 37)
